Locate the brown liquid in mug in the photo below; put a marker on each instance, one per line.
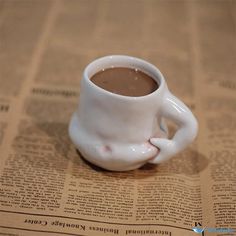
(125, 81)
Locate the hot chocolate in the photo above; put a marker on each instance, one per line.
(125, 81)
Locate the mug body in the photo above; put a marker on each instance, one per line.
(112, 130)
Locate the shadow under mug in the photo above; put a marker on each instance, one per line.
(122, 133)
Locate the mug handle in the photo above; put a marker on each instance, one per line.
(174, 109)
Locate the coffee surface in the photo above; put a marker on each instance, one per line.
(125, 81)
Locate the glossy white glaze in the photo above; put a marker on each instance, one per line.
(123, 133)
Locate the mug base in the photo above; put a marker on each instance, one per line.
(112, 156)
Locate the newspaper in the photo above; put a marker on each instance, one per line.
(46, 188)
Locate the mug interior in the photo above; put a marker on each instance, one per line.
(127, 62)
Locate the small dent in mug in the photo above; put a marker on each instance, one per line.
(107, 148)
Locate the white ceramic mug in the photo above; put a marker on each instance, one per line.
(122, 133)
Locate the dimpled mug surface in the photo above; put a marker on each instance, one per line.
(121, 133)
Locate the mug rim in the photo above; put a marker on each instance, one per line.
(147, 68)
